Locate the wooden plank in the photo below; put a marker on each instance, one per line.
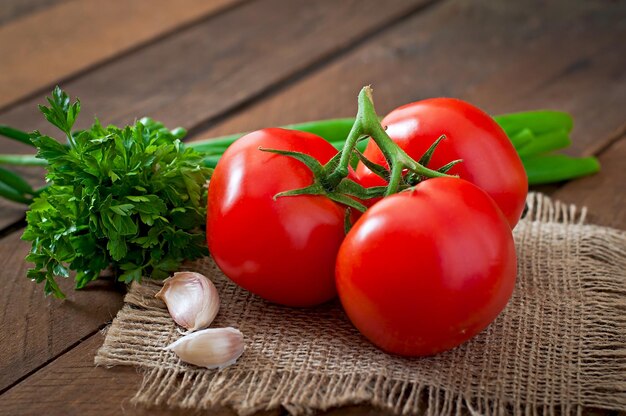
(55, 384)
(72, 385)
(501, 56)
(35, 329)
(200, 73)
(71, 36)
(63, 387)
(10, 213)
(15, 9)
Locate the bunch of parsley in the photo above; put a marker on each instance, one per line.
(132, 198)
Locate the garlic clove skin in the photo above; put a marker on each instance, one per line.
(210, 348)
(191, 298)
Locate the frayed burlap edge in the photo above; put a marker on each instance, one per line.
(541, 208)
(602, 354)
(302, 394)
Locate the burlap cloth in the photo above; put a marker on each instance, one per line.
(559, 346)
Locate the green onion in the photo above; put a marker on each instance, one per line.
(522, 138)
(534, 134)
(22, 160)
(544, 143)
(15, 181)
(543, 121)
(12, 195)
(15, 134)
(332, 130)
(555, 168)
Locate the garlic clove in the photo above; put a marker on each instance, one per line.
(191, 298)
(210, 348)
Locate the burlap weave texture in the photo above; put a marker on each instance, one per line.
(559, 346)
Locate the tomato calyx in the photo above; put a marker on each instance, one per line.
(331, 179)
(411, 178)
(367, 124)
(414, 178)
(344, 192)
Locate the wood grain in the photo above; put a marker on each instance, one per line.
(15, 9)
(211, 68)
(72, 385)
(34, 329)
(10, 213)
(42, 48)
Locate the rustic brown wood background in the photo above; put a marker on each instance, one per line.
(221, 66)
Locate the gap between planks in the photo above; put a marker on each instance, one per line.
(17, 9)
(54, 358)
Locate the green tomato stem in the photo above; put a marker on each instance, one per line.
(394, 179)
(341, 170)
(367, 123)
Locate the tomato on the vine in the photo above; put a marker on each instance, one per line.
(489, 159)
(424, 270)
(281, 249)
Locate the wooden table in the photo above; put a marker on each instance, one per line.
(220, 66)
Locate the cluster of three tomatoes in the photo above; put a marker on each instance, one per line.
(421, 271)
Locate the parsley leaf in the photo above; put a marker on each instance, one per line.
(132, 198)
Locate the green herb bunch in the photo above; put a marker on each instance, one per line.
(132, 198)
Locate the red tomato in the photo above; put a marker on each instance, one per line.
(425, 270)
(489, 159)
(283, 250)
